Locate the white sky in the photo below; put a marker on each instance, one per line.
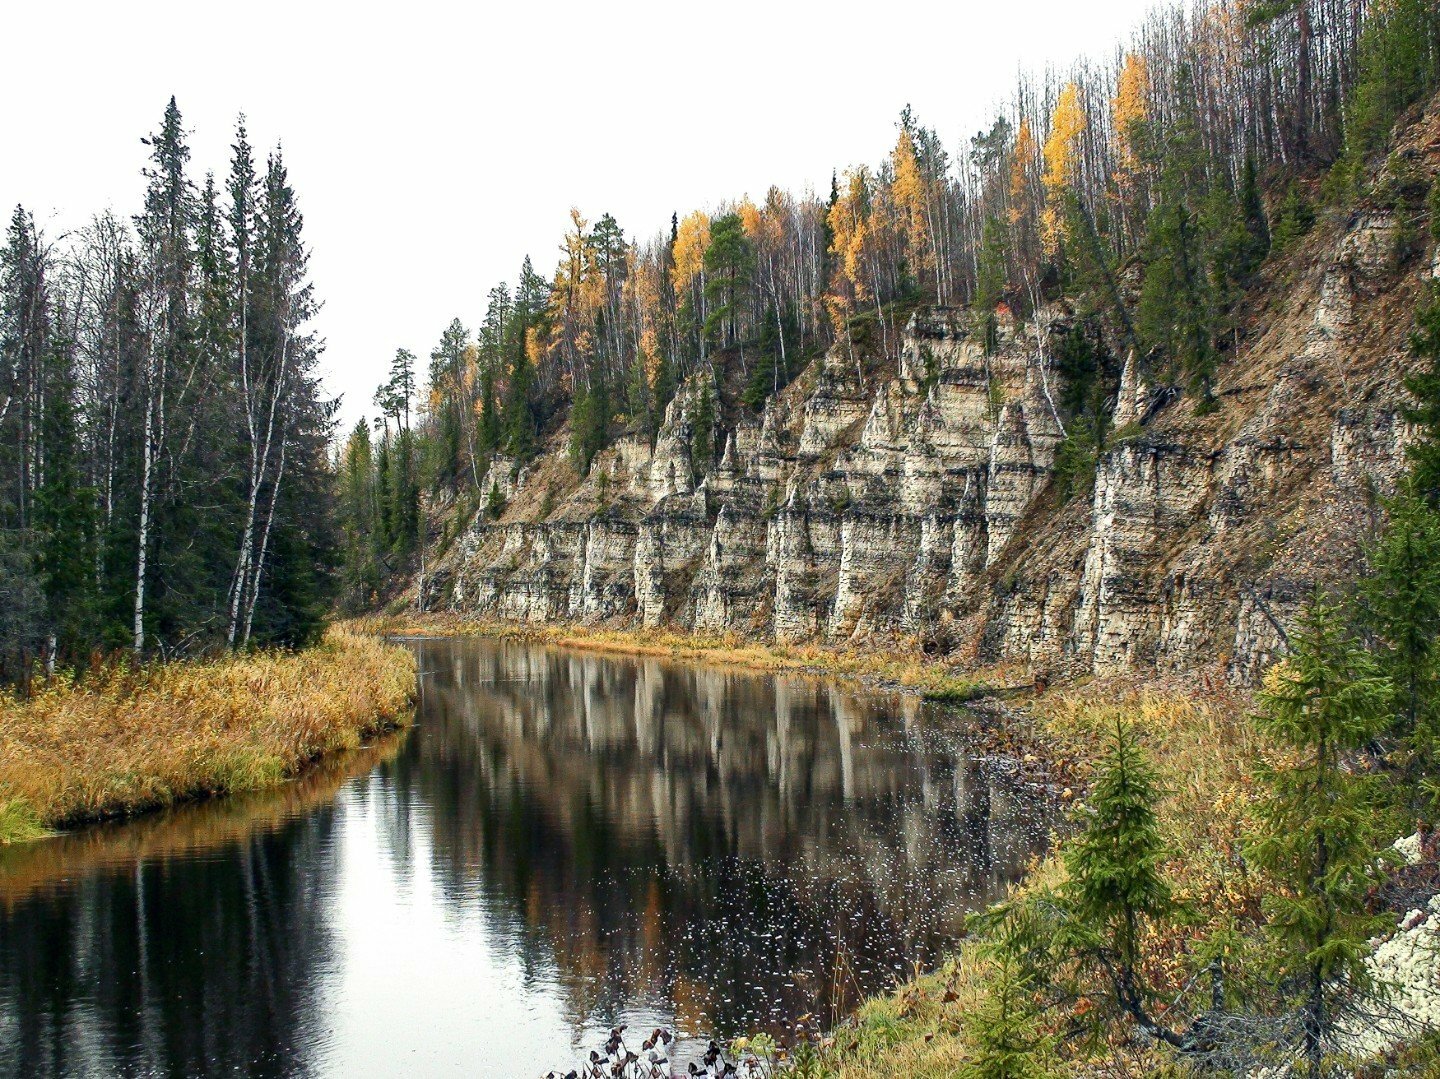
(433, 145)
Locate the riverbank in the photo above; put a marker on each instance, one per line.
(125, 740)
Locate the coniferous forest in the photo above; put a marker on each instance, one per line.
(164, 480)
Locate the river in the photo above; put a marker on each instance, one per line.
(565, 841)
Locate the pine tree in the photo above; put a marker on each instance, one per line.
(1317, 828)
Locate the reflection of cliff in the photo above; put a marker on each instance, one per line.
(685, 832)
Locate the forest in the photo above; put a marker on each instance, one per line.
(1145, 190)
(165, 480)
(172, 485)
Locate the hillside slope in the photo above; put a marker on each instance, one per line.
(913, 495)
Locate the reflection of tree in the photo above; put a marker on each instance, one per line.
(682, 833)
(184, 943)
(195, 967)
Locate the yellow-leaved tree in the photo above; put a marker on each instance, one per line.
(692, 238)
(910, 190)
(1062, 163)
(1129, 110)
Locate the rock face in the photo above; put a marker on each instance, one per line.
(915, 498)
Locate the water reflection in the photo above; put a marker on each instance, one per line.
(566, 841)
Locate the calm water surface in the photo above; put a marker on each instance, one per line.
(564, 842)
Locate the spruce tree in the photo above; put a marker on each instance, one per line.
(1317, 829)
(729, 264)
(1172, 314)
(1424, 387)
(1293, 219)
(1252, 209)
(1402, 609)
(357, 514)
(64, 512)
(1004, 1030)
(1116, 879)
(451, 404)
(990, 273)
(702, 429)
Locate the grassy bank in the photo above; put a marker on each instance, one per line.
(126, 740)
(889, 667)
(186, 828)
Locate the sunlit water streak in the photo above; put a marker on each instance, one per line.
(565, 842)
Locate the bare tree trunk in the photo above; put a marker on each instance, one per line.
(148, 458)
(264, 547)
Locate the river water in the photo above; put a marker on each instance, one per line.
(564, 841)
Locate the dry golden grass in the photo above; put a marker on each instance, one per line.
(127, 740)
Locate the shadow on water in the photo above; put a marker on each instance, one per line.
(566, 841)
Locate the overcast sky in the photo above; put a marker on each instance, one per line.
(434, 145)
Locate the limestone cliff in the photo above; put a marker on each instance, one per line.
(914, 496)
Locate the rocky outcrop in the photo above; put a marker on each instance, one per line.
(913, 495)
